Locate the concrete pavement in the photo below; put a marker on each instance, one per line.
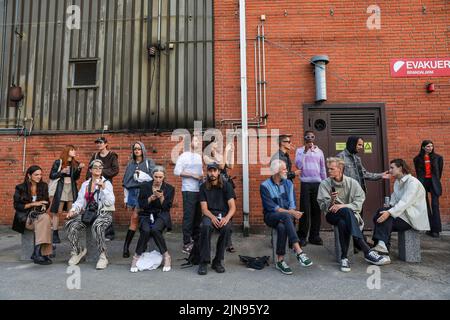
(399, 280)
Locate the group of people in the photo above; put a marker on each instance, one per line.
(340, 197)
(209, 202)
(147, 197)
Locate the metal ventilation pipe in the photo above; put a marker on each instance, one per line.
(320, 63)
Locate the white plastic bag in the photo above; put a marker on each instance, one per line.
(149, 261)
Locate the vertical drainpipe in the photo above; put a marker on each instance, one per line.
(244, 105)
(3, 49)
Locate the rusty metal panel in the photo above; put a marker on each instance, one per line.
(132, 91)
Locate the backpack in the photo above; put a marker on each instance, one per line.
(257, 263)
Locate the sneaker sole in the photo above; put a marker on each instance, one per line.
(306, 265)
(377, 263)
(346, 270)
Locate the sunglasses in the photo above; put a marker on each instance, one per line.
(310, 137)
(287, 141)
(137, 149)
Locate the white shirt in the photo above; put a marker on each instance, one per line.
(189, 162)
(409, 204)
(106, 197)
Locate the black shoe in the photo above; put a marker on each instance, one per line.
(433, 234)
(218, 267)
(302, 242)
(47, 258)
(38, 258)
(317, 241)
(126, 245)
(56, 237)
(202, 269)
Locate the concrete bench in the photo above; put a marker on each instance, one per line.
(337, 245)
(27, 245)
(409, 246)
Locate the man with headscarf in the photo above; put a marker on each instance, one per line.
(353, 164)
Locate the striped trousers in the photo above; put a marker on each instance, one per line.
(74, 227)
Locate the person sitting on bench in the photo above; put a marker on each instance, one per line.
(341, 199)
(407, 208)
(280, 212)
(218, 208)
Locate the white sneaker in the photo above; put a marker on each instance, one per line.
(134, 268)
(345, 265)
(76, 258)
(102, 262)
(381, 249)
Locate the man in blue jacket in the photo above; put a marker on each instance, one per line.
(278, 199)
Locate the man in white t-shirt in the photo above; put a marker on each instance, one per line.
(189, 167)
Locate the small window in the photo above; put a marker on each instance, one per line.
(84, 73)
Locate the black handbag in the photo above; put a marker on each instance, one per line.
(90, 213)
(19, 222)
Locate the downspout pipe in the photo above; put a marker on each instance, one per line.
(244, 106)
(3, 49)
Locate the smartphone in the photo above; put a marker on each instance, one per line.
(333, 189)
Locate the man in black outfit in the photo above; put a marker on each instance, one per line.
(218, 208)
(285, 144)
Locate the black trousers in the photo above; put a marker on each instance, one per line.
(311, 219)
(192, 216)
(348, 227)
(382, 231)
(148, 231)
(207, 229)
(434, 214)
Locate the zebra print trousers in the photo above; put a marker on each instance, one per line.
(74, 227)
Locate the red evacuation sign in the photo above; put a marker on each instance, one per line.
(439, 67)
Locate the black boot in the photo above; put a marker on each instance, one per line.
(56, 237)
(126, 245)
(38, 258)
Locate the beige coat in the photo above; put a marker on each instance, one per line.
(349, 192)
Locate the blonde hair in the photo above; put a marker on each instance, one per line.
(339, 161)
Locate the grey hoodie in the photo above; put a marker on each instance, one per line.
(146, 166)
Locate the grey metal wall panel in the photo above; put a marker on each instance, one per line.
(168, 91)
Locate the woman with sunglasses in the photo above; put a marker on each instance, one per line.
(96, 189)
(137, 173)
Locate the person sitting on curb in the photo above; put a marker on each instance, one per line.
(96, 189)
(278, 199)
(218, 208)
(341, 199)
(407, 208)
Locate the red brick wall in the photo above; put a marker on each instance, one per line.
(358, 72)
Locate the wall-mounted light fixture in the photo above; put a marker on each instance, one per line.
(430, 87)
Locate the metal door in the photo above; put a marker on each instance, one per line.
(334, 124)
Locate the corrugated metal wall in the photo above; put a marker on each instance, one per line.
(117, 33)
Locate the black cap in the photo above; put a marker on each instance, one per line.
(213, 166)
(101, 140)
